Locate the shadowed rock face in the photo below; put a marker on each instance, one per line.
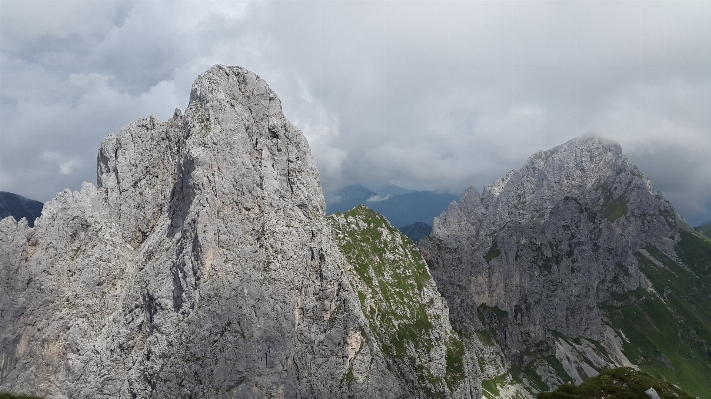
(540, 251)
(201, 266)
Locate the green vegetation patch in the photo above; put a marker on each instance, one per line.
(635, 172)
(544, 262)
(695, 251)
(494, 252)
(669, 331)
(455, 363)
(528, 376)
(629, 297)
(486, 310)
(619, 383)
(491, 386)
(705, 229)
(495, 322)
(389, 275)
(614, 208)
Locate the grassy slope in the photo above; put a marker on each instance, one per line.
(705, 229)
(669, 333)
(389, 278)
(619, 383)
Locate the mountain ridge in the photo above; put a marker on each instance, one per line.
(200, 265)
(203, 264)
(551, 249)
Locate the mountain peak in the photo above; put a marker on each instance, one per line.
(579, 163)
(233, 136)
(590, 169)
(203, 265)
(232, 85)
(549, 249)
(588, 142)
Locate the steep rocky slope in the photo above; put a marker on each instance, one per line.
(408, 317)
(545, 271)
(202, 265)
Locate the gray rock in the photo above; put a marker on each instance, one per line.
(540, 251)
(201, 266)
(652, 393)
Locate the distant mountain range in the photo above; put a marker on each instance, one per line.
(19, 207)
(402, 207)
(416, 230)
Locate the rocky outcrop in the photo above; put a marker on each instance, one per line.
(202, 265)
(528, 266)
(408, 317)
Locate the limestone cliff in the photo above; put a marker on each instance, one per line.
(536, 266)
(201, 265)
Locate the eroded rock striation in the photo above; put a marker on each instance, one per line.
(532, 266)
(202, 265)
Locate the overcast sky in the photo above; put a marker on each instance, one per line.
(436, 95)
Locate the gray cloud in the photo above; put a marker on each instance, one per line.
(428, 95)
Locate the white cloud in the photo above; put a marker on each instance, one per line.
(321, 127)
(22, 21)
(66, 164)
(429, 95)
(378, 198)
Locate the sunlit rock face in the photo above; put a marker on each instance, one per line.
(201, 265)
(540, 253)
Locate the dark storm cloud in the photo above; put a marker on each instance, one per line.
(427, 95)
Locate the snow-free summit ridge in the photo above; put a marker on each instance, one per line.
(201, 265)
(563, 267)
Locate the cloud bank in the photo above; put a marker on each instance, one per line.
(427, 95)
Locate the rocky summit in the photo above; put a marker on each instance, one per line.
(202, 266)
(569, 265)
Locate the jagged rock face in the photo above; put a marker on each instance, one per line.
(201, 266)
(542, 249)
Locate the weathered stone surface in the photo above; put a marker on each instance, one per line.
(201, 266)
(527, 265)
(408, 317)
